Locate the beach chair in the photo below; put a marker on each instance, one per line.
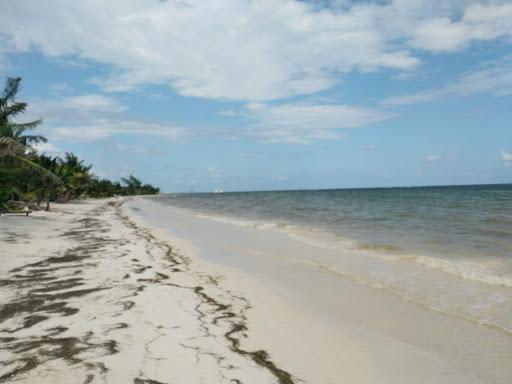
(7, 211)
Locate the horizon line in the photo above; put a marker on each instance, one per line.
(343, 188)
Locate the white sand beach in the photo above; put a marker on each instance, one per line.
(118, 291)
(88, 296)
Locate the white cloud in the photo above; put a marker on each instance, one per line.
(368, 147)
(102, 129)
(480, 22)
(75, 107)
(92, 102)
(507, 159)
(494, 78)
(94, 117)
(255, 106)
(247, 50)
(440, 34)
(48, 149)
(98, 117)
(254, 51)
(303, 122)
(432, 158)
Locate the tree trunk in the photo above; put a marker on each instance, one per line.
(47, 205)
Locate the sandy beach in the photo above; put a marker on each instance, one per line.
(256, 192)
(89, 296)
(102, 291)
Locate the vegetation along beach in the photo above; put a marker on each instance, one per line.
(256, 192)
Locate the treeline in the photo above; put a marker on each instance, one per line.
(32, 178)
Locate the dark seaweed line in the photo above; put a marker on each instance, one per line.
(225, 311)
(42, 299)
(69, 348)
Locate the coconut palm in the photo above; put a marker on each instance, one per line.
(13, 136)
(75, 174)
(44, 188)
(33, 177)
(9, 110)
(16, 142)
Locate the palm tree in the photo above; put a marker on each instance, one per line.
(45, 189)
(62, 178)
(133, 185)
(10, 109)
(75, 174)
(15, 140)
(16, 144)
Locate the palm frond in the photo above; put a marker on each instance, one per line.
(25, 126)
(39, 169)
(12, 86)
(33, 139)
(11, 110)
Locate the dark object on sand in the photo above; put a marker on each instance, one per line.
(7, 211)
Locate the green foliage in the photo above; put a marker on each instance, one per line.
(11, 131)
(31, 177)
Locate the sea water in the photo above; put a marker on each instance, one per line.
(446, 248)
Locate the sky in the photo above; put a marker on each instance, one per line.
(269, 94)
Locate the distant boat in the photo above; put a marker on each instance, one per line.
(218, 191)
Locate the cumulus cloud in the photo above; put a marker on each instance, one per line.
(247, 50)
(507, 159)
(257, 52)
(480, 22)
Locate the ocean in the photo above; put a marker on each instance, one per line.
(446, 248)
(468, 223)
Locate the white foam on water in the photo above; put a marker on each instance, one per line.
(459, 287)
(475, 313)
(467, 269)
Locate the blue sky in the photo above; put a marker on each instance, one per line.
(275, 94)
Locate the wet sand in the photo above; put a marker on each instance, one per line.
(89, 296)
(327, 327)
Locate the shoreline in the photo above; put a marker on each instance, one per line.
(335, 328)
(101, 291)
